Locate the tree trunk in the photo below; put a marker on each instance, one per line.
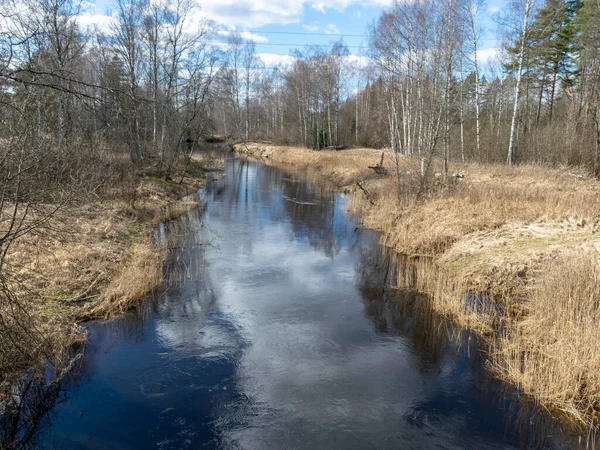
(477, 105)
(511, 143)
(552, 94)
(356, 115)
(462, 114)
(540, 98)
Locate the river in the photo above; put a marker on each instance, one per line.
(277, 329)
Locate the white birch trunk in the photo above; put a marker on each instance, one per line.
(511, 143)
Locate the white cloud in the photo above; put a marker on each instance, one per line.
(90, 17)
(252, 13)
(332, 29)
(246, 35)
(88, 20)
(488, 55)
(249, 13)
(231, 13)
(257, 13)
(275, 60)
(340, 5)
(310, 27)
(356, 61)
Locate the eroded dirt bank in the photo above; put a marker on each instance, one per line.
(525, 237)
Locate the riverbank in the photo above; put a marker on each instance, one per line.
(525, 237)
(94, 259)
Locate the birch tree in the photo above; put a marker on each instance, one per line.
(474, 7)
(511, 143)
(126, 29)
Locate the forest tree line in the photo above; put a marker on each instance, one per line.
(156, 82)
(426, 91)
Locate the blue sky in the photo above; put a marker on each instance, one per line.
(319, 21)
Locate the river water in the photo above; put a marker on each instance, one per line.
(278, 330)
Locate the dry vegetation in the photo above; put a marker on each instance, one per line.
(342, 168)
(553, 353)
(524, 237)
(94, 259)
(80, 267)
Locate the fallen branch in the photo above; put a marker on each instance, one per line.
(84, 295)
(367, 195)
(379, 169)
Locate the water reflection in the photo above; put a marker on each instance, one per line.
(277, 329)
(446, 351)
(24, 411)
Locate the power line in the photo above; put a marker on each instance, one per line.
(308, 33)
(290, 45)
(302, 33)
(300, 46)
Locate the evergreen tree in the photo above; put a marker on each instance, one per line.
(555, 47)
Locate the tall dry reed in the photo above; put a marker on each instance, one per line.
(553, 353)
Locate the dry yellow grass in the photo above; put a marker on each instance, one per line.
(553, 353)
(141, 274)
(98, 258)
(92, 260)
(525, 237)
(338, 167)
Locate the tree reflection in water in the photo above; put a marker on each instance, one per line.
(25, 410)
(432, 338)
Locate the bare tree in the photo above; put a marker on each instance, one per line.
(511, 143)
(126, 30)
(474, 7)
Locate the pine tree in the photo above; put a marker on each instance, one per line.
(555, 47)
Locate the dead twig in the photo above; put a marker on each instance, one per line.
(367, 195)
(84, 295)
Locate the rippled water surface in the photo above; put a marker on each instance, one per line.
(283, 334)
